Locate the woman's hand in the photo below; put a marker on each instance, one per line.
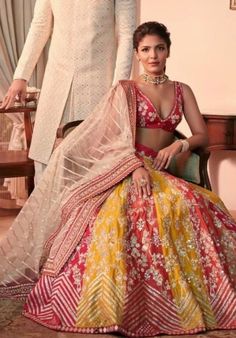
(142, 182)
(16, 92)
(165, 155)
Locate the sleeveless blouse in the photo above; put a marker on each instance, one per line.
(148, 116)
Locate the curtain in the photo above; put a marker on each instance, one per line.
(15, 19)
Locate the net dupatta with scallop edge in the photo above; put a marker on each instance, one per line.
(82, 172)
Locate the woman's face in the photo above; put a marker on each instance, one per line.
(153, 52)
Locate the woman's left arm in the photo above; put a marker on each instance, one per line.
(197, 126)
(194, 119)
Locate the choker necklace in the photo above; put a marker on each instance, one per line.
(159, 79)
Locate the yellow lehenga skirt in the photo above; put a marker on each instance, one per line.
(146, 266)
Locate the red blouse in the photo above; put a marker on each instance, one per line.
(148, 117)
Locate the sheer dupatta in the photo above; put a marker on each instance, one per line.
(82, 171)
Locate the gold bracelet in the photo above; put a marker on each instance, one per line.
(185, 145)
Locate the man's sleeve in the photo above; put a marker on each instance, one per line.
(39, 32)
(125, 16)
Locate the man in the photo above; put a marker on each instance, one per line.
(90, 50)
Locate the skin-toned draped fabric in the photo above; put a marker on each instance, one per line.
(15, 19)
(84, 164)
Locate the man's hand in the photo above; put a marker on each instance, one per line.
(16, 92)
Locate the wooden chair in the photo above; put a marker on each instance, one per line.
(195, 160)
(16, 163)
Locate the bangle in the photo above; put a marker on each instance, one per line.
(185, 145)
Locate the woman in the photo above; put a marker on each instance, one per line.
(80, 68)
(109, 240)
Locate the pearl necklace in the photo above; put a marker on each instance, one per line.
(159, 79)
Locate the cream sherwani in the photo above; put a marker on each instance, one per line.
(91, 48)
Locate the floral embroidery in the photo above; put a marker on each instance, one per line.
(148, 117)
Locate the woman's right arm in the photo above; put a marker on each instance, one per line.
(40, 30)
(142, 182)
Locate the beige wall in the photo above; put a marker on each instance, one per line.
(203, 55)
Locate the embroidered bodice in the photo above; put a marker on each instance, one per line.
(148, 116)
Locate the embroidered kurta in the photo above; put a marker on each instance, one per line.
(91, 48)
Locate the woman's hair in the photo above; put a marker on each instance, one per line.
(151, 28)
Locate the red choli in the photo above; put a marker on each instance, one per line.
(148, 117)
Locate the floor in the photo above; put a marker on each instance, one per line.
(14, 325)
